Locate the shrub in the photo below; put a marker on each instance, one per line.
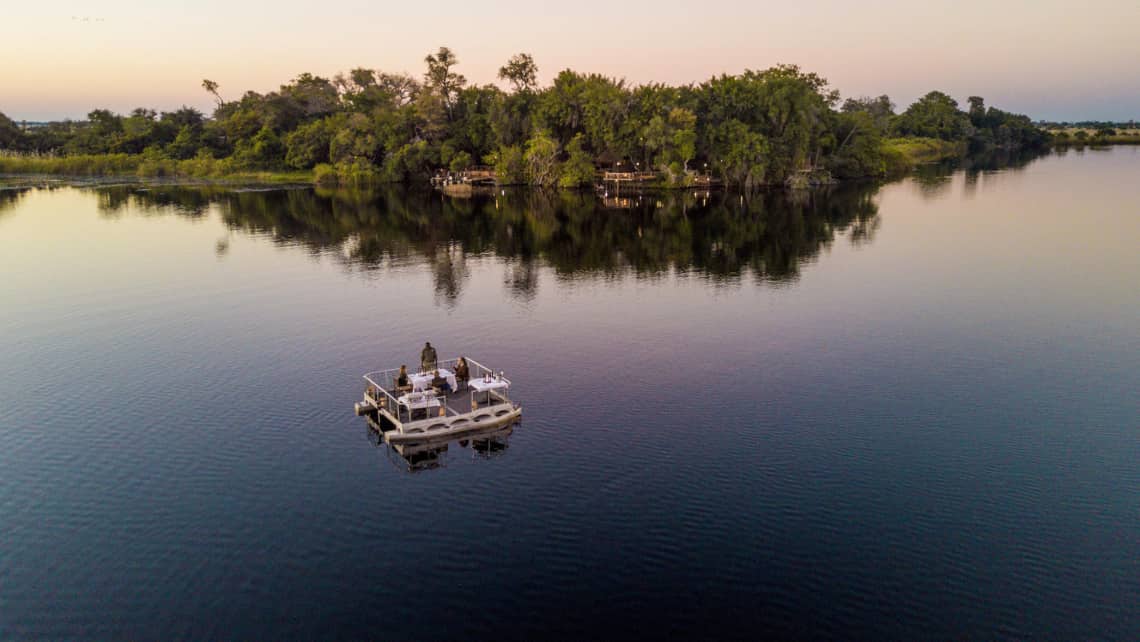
(578, 170)
(325, 175)
(510, 166)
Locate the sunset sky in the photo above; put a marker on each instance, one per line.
(1049, 59)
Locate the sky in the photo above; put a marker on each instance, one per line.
(1045, 58)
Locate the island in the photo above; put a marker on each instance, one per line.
(777, 126)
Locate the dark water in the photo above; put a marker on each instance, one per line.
(905, 412)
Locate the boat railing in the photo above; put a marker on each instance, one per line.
(384, 381)
(477, 370)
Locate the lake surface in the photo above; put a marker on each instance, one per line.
(897, 412)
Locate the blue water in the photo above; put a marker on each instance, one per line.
(897, 412)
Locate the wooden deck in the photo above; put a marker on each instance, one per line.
(628, 177)
(479, 176)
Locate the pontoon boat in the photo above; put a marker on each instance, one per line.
(439, 406)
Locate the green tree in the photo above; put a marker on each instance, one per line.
(263, 151)
(541, 160)
(859, 151)
(441, 79)
(742, 157)
(977, 108)
(10, 135)
(521, 72)
(355, 140)
(459, 162)
(211, 88)
(935, 115)
(881, 110)
(684, 125)
(511, 118)
(510, 165)
(789, 111)
(185, 144)
(309, 144)
(578, 170)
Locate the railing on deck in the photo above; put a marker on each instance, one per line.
(382, 383)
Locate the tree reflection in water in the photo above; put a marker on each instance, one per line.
(720, 235)
(10, 197)
(934, 180)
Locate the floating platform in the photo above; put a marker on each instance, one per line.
(431, 412)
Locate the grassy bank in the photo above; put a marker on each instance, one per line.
(140, 165)
(904, 154)
(900, 156)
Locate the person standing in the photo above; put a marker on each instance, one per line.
(428, 359)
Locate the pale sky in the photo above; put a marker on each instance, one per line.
(1046, 58)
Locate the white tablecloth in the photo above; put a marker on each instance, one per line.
(482, 386)
(415, 401)
(423, 381)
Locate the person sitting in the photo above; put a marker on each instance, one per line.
(402, 383)
(462, 372)
(428, 358)
(439, 382)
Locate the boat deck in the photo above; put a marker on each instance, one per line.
(427, 412)
(456, 402)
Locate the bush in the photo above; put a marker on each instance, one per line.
(357, 173)
(325, 175)
(510, 166)
(895, 162)
(460, 162)
(578, 170)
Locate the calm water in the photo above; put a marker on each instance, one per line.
(900, 412)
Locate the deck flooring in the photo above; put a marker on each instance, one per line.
(456, 402)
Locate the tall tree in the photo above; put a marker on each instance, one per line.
(211, 88)
(442, 79)
(521, 71)
(977, 107)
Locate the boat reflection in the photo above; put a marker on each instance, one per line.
(420, 456)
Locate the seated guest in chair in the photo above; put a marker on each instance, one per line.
(462, 373)
(440, 383)
(402, 383)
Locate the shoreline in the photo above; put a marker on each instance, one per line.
(902, 156)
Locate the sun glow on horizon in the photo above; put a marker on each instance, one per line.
(1045, 59)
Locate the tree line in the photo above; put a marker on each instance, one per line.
(750, 129)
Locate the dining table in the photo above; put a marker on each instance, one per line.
(423, 380)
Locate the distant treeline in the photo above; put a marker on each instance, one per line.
(757, 128)
(1093, 133)
(1088, 124)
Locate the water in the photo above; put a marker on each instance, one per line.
(899, 412)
